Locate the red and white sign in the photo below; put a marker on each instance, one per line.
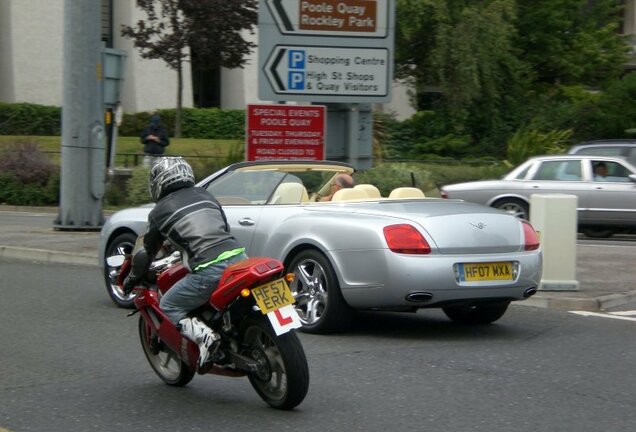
(285, 132)
(284, 319)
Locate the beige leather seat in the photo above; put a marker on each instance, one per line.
(369, 189)
(349, 194)
(290, 193)
(406, 192)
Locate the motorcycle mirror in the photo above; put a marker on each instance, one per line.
(115, 260)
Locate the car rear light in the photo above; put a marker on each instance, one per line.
(404, 238)
(531, 239)
(443, 194)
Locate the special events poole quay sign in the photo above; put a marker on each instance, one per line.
(331, 17)
(285, 132)
(332, 51)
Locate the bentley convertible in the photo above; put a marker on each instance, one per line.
(362, 251)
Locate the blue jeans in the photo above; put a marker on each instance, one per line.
(194, 290)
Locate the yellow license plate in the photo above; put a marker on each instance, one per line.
(477, 272)
(273, 296)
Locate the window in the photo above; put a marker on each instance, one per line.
(559, 170)
(522, 174)
(107, 23)
(605, 171)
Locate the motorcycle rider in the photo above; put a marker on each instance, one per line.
(195, 224)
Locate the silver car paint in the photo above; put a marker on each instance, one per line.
(604, 203)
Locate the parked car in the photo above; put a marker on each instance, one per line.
(359, 252)
(625, 148)
(605, 204)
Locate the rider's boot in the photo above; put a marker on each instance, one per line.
(207, 339)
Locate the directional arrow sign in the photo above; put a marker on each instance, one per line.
(348, 18)
(328, 71)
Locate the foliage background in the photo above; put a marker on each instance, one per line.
(493, 83)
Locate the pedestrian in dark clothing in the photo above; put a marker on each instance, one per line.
(154, 137)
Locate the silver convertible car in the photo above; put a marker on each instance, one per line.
(360, 250)
(605, 187)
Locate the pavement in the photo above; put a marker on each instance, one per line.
(604, 271)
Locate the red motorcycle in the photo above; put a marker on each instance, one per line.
(252, 309)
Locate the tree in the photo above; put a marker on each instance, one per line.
(493, 62)
(571, 42)
(213, 27)
(465, 50)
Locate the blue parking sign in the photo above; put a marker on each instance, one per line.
(296, 59)
(296, 80)
(296, 74)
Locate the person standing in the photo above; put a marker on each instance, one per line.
(154, 137)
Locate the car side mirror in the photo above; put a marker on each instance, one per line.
(632, 177)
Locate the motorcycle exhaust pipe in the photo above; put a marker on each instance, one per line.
(419, 296)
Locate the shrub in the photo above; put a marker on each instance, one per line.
(202, 123)
(28, 177)
(445, 174)
(427, 176)
(205, 166)
(30, 119)
(137, 192)
(24, 160)
(388, 176)
(524, 144)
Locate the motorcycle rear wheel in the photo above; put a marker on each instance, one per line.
(288, 380)
(165, 362)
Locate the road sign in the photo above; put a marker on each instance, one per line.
(347, 18)
(326, 51)
(338, 71)
(285, 132)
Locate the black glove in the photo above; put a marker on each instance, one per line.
(129, 285)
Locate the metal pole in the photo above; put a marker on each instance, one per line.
(83, 146)
(353, 125)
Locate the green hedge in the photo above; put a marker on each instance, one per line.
(201, 123)
(30, 119)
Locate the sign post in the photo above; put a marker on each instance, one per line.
(335, 52)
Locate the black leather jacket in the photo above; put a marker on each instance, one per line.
(194, 223)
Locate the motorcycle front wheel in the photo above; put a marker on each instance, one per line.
(170, 368)
(283, 379)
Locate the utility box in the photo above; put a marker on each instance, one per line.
(554, 217)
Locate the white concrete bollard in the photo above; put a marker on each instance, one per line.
(555, 219)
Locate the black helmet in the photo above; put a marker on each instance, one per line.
(168, 174)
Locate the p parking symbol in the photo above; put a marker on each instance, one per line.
(296, 59)
(296, 80)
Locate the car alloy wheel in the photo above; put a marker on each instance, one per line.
(319, 301)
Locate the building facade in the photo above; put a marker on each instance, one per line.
(31, 65)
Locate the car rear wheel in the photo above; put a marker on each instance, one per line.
(477, 314)
(515, 207)
(319, 302)
(121, 245)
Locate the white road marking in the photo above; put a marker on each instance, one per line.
(624, 313)
(603, 315)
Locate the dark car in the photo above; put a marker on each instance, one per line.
(625, 148)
